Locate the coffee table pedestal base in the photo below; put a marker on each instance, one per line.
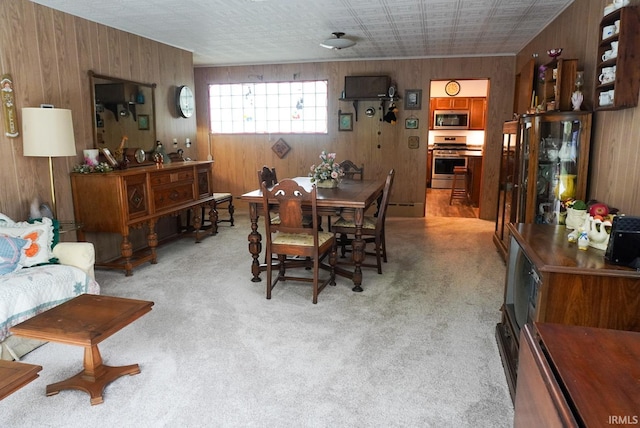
(94, 377)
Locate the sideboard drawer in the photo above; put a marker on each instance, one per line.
(172, 196)
(171, 177)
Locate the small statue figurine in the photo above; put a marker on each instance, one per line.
(576, 100)
(160, 153)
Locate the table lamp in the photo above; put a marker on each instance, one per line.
(48, 132)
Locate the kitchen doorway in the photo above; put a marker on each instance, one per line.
(452, 138)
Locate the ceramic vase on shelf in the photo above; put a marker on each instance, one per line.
(327, 184)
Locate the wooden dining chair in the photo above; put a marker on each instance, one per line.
(291, 238)
(267, 175)
(373, 228)
(351, 171)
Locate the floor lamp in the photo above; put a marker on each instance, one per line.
(48, 132)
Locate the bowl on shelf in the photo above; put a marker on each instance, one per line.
(554, 53)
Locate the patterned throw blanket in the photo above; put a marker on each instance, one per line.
(29, 291)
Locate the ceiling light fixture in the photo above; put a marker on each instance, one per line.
(337, 42)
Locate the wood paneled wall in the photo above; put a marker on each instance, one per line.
(614, 172)
(48, 53)
(378, 145)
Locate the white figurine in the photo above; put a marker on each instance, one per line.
(576, 100)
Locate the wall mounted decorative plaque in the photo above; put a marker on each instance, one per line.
(281, 148)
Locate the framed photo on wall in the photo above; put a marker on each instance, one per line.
(411, 123)
(345, 121)
(143, 121)
(413, 99)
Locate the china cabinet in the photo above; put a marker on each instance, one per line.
(620, 89)
(545, 161)
(550, 280)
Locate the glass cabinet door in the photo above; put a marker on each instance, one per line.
(554, 164)
(526, 149)
(508, 184)
(558, 159)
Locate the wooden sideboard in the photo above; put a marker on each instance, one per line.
(571, 376)
(550, 280)
(117, 201)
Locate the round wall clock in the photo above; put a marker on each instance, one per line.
(185, 102)
(452, 88)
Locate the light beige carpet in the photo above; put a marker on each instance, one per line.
(415, 349)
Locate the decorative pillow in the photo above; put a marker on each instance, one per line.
(11, 250)
(40, 234)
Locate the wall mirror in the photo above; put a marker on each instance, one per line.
(122, 108)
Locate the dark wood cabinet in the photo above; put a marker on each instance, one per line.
(626, 84)
(117, 201)
(549, 280)
(573, 376)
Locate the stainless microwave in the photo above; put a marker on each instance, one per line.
(451, 119)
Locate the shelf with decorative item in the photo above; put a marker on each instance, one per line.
(617, 74)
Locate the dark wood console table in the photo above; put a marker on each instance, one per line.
(115, 202)
(550, 280)
(572, 376)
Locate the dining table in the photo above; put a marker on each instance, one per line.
(350, 197)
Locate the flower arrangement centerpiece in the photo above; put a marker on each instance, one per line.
(86, 168)
(328, 172)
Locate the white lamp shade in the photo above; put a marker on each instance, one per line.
(47, 132)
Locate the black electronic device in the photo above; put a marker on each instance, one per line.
(624, 242)
(366, 87)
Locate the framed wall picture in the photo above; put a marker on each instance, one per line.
(345, 121)
(411, 123)
(413, 99)
(143, 121)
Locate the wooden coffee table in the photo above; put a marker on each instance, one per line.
(86, 321)
(15, 375)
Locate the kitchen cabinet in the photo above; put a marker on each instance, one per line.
(475, 105)
(550, 280)
(544, 164)
(572, 376)
(118, 201)
(477, 113)
(451, 103)
(474, 166)
(558, 83)
(625, 86)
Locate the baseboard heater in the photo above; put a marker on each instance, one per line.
(401, 204)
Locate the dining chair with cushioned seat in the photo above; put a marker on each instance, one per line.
(373, 228)
(290, 238)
